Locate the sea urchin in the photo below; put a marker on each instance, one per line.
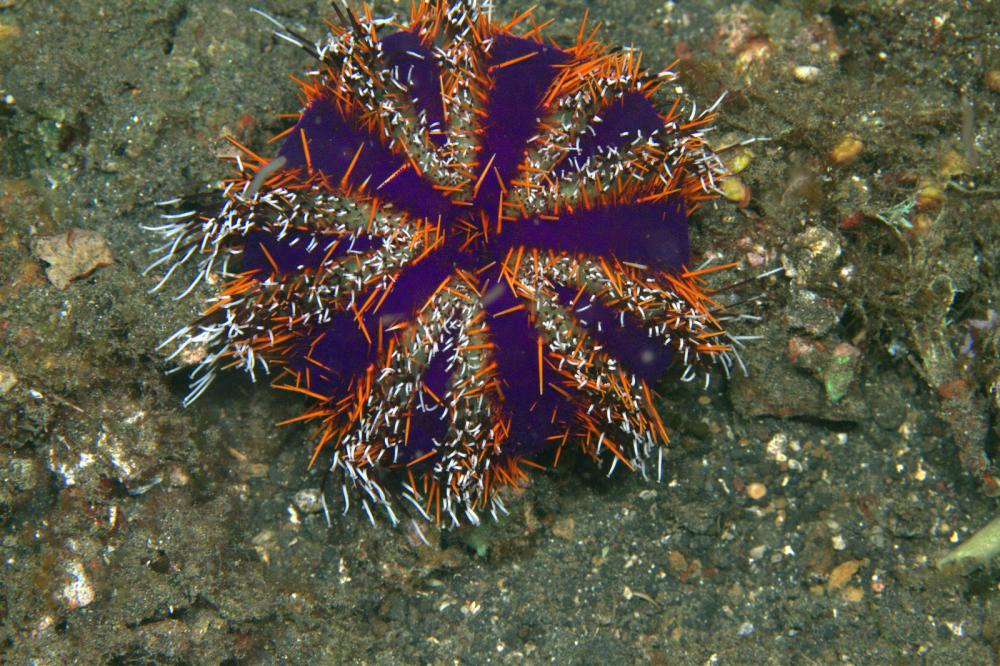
(470, 248)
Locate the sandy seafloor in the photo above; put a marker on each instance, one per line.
(133, 531)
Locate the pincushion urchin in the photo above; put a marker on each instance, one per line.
(471, 249)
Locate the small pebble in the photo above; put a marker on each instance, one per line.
(993, 80)
(8, 31)
(756, 491)
(735, 190)
(178, 477)
(737, 159)
(78, 591)
(930, 197)
(677, 562)
(7, 379)
(564, 528)
(921, 225)
(847, 150)
(805, 73)
(841, 574)
(952, 164)
(309, 500)
(265, 543)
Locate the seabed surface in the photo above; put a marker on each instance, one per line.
(804, 506)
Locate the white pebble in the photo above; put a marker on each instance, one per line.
(805, 73)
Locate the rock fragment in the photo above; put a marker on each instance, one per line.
(74, 254)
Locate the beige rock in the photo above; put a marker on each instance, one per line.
(72, 255)
(756, 491)
(842, 573)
